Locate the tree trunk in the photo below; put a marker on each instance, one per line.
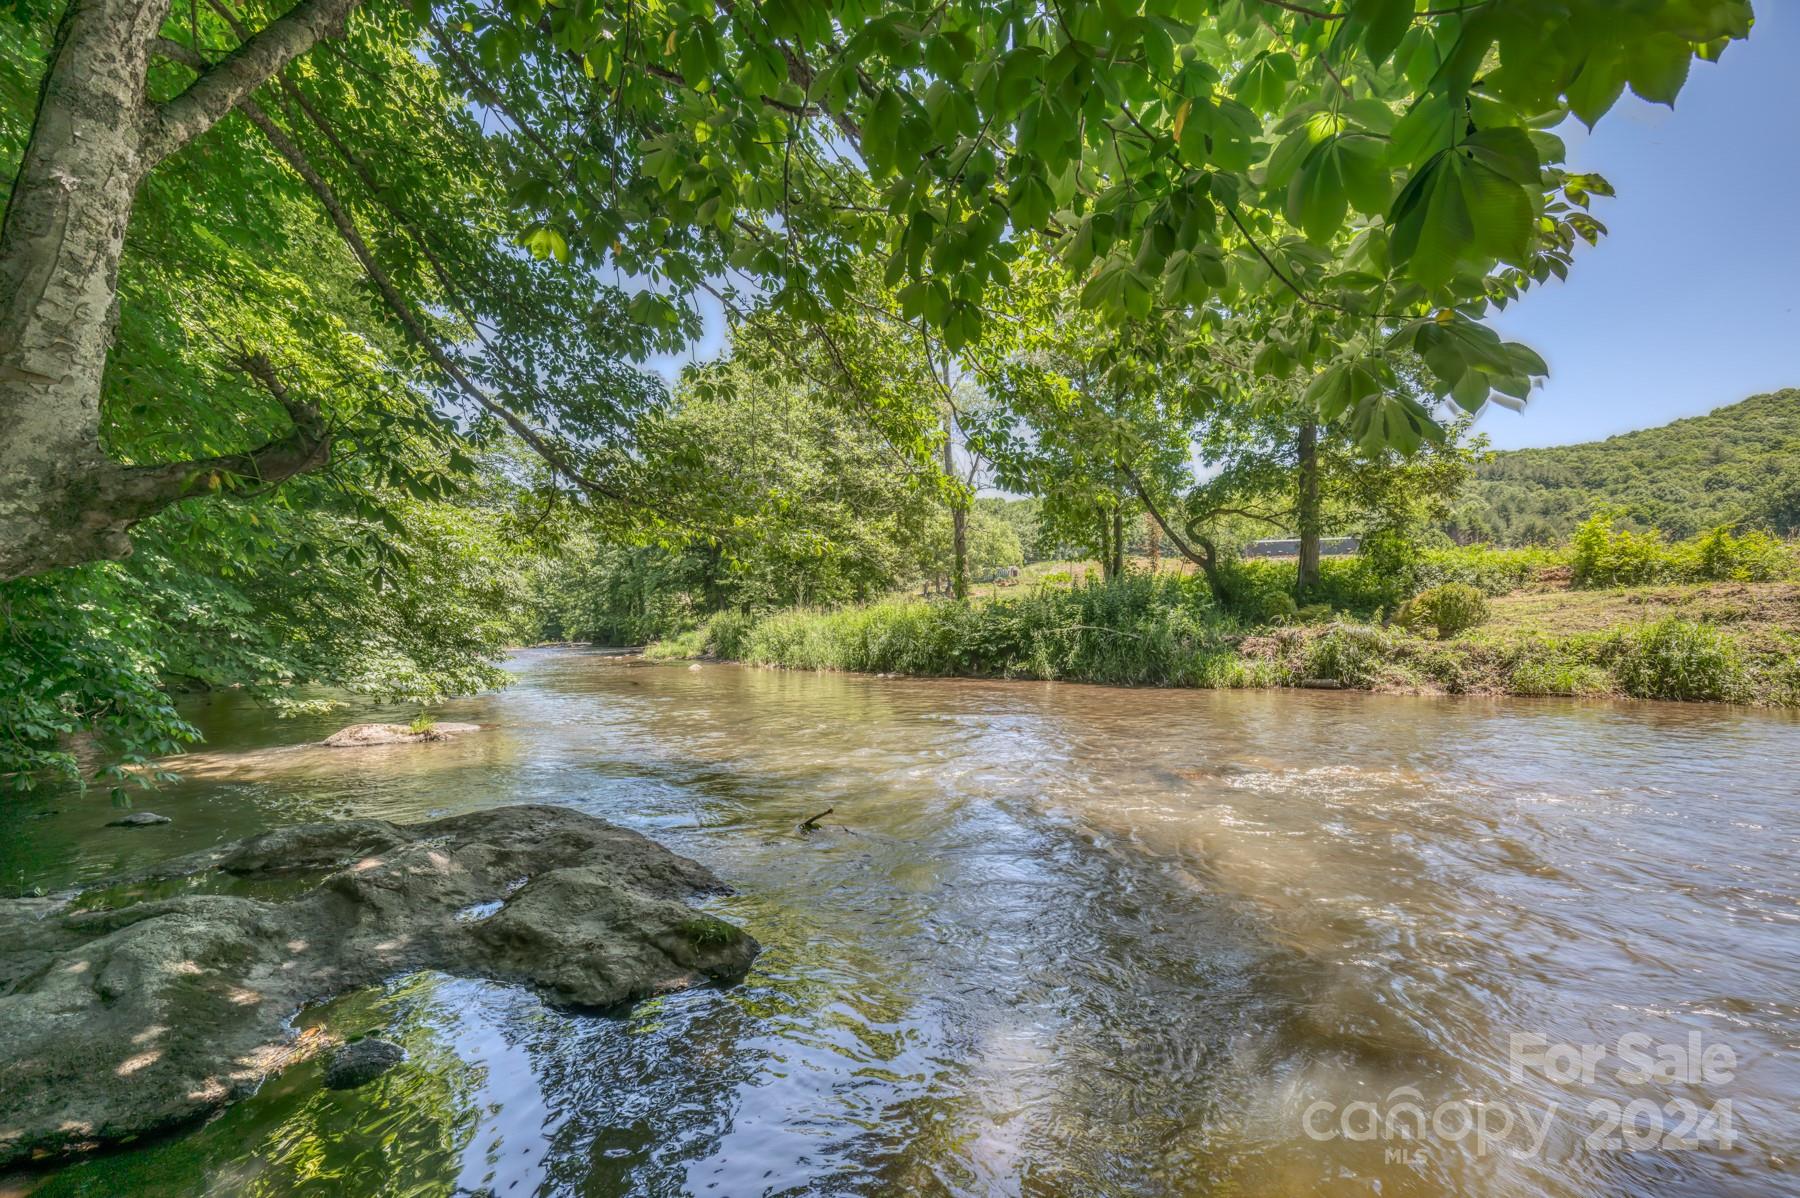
(94, 137)
(1153, 536)
(959, 516)
(59, 274)
(1118, 540)
(1201, 551)
(1307, 512)
(1106, 557)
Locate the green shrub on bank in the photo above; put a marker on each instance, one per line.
(1165, 631)
(680, 646)
(1261, 591)
(1605, 555)
(1448, 610)
(1489, 570)
(1353, 654)
(1721, 556)
(1679, 659)
(1558, 676)
(1135, 630)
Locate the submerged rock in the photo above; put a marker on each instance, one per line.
(360, 1062)
(123, 1021)
(358, 735)
(139, 819)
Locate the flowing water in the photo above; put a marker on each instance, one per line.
(1055, 940)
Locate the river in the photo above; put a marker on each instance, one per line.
(1054, 940)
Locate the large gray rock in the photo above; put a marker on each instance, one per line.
(115, 1023)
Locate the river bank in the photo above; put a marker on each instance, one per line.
(1731, 642)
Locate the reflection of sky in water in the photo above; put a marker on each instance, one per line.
(1052, 940)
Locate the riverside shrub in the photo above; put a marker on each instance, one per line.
(1721, 556)
(1605, 555)
(1136, 630)
(1450, 609)
(1675, 658)
(1352, 654)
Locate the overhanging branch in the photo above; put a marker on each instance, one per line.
(221, 87)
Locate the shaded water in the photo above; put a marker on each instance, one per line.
(1054, 940)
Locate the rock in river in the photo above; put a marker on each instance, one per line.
(358, 735)
(139, 819)
(360, 1062)
(119, 1022)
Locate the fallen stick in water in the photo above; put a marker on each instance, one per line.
(811, 823)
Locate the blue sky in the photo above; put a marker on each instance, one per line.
(1690, 301)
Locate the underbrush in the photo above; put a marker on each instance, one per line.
(1671, 658)
(1166, 631)
(1139, 630)
(1680, 659)
(1261, 591)
(1605, 555)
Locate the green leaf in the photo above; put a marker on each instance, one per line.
(1030, 202)
(1363, 163)
(1499, 211)
(1263, 82)
(880, 129)
(1272, 361)
(1428, 128)
(1508, 151)
(1184, 279)
(1384, 23)
(1289, 153)
(1431, 221)
(1657, 67)
(1597, 88)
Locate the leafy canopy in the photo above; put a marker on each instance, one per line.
(1383, 168)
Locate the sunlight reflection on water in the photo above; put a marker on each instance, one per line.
(1056, 939)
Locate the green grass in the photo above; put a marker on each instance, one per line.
(1136, 631)
(689, 644)
(1673, 643)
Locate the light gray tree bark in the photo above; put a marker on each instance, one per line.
(96, 134)
(1307, 508)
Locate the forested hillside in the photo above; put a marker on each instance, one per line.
(1735, 461)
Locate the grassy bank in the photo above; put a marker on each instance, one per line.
(1728, 642)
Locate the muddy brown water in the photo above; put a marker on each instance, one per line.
(1054, 940)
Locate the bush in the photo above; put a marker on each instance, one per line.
(1135, 630)
(1258, 592)
(1680, 659)
(1604, 555)
(1558, 676)
(1352, 654)
(1449, 609)
(1357, 584)
(1752, 557)
(682, 645)
(1491, 571)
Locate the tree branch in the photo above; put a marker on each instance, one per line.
(222, 87)
(142, 491)
(1207, 557)
(409, 319)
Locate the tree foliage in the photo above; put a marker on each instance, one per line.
(1683, 477)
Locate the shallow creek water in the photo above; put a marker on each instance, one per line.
(1053, 940)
